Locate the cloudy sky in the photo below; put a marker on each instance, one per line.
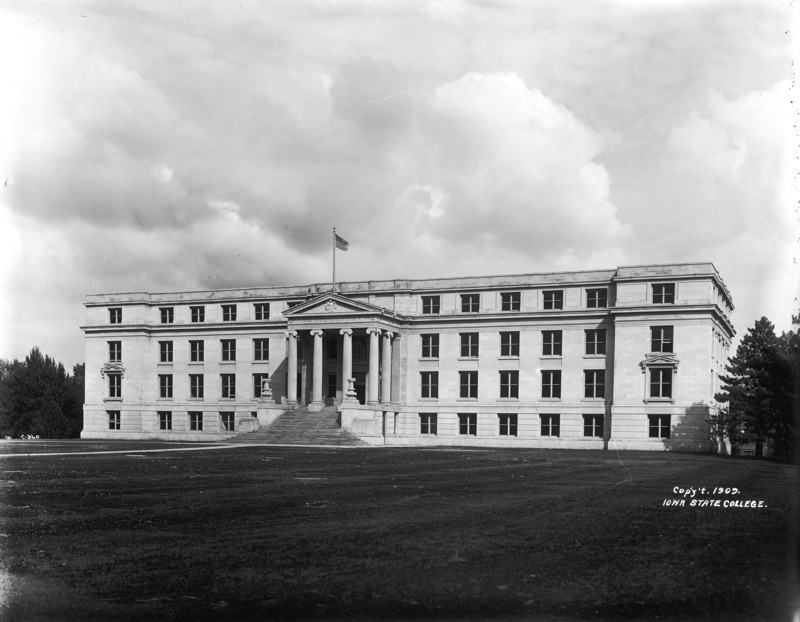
(166, 146)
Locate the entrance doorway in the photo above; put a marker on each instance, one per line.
(330, 392)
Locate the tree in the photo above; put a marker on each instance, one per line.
(38, 397)
(759, 391)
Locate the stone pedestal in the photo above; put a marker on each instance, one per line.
(350, 395)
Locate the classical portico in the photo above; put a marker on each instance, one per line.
(350, 347)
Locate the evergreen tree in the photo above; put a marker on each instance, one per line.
(759, 391)
(38, 397)
(74, 408)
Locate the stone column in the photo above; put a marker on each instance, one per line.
(386, 368)
(291, 388)
(316, 374)
(372, 389)
(347, 360)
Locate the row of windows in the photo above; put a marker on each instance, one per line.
(512, 301)
(662, 293)
(198, 313)
(165, 420)
(196, 350)
(196, 386)
(550, 425)
(507, 424)
(594, 384)
(552, 340)
(594, 344)
(660, 384)
(661, 340)
(553, 299)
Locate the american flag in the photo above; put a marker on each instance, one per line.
(341, 243)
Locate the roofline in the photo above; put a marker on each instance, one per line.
(448, 283)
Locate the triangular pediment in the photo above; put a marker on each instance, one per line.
(330, 304)
(112, 368)
(655, 359)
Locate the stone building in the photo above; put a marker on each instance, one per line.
(626, 358)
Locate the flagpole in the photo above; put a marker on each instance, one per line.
(333, 250)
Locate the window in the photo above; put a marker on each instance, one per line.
(594, 383)
(165, 386)
(427, 423)
(167, 315)
(597, 298)
(508, 424)
(261, 349)
(228, 313)
(509, 384)
(196, 421)
(430, 346)
(661, 338)
(262, 310)
(664, 293)
(469, 345)
(228, 349)
(227, 419)
(510, 301)
(196, 386)
(551, 384)
(228, 386)
(554, 299)
(659, 426)
(257, 382)
(198, 314)
(551, 343)
(509, 344)
(468, 424)
(595, 342)
(430, 384)
(551, 425)
(165, 351)
(113, 419)
(470, 303)
(593, 425)
(164, 420)
(115, 315)
(114, 351)
(468, 381)
(115, 385)
(661, 382)
(196, 351)
(430, 305)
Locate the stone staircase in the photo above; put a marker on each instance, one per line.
(301, 427)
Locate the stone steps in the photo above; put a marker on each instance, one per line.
(301, 427)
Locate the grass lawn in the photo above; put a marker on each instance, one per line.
(292, 533)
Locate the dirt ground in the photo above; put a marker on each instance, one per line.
(390, 533)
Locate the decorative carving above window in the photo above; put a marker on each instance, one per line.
(112, 368)
(660, 360)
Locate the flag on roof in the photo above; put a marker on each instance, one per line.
(341, 243)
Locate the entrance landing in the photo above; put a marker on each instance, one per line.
(301, 427)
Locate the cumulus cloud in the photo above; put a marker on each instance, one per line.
(723, 191)
(518, 167)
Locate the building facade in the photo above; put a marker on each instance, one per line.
(627, 358)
